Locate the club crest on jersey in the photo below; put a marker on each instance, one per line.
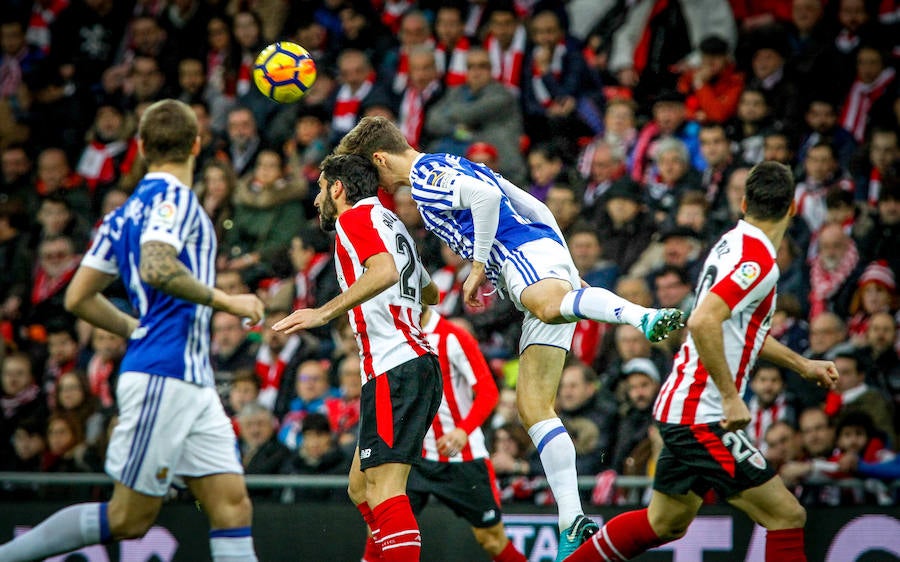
(745, 274)
(438, 178)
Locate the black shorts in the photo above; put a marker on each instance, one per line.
(468, 488)
(703, 456)
(396, 410)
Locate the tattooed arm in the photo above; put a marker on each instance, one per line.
(161, 269)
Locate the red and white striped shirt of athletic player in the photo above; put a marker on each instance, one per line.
(741, 270)
(387, 327)
(470, 393)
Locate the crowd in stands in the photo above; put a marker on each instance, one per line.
(635, 122)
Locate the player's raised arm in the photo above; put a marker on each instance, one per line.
(483, 200)
(705, 325)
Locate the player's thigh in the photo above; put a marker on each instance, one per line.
(385, 481)
(356, 488)
(210, 446)
(131, 513)
(540, 368)
(771, 505)
(224, 499)
(670, 515)
(544, 298)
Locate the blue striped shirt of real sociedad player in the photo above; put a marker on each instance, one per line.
(435, 180)
(173, 337)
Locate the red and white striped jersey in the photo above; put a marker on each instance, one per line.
(470, 393)
(741, 270)
(761, 417)
(387, 327)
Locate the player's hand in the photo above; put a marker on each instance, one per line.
(302, 319)
(473, 284)
(453, 442)
(736, 413)
(823, 373)
(246, 306)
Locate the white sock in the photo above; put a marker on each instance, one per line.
(595, 303)
(66, 530)
(558, 457)
(232, 545)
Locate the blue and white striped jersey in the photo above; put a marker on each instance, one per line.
(173, 337)
(433, 179)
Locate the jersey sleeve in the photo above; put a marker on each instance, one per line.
(748, 277)
(361, 234)
(100, 254)
(167, 218)
(438, 190)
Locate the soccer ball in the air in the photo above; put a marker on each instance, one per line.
(284, 71)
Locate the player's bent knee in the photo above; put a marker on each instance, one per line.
(492, 539)
(122, 527)
(794, 516)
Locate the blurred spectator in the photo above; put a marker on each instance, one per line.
(822, 173)
(657, 36)
(600, 164)
(243, 390)
(881, 153)
(357, 79)
(361, 31)
(545, 167)
(73, 397)
(825, 332)
(313, 394)
(587, 255)
(277, 360)
(679, 246)
(345, 417)
(15, 184)
(308, 146)
(872, 92)
(62, 356)
(822, 125)
(778, 147)
(104, 21)
(452, 45)
(565, 205)
(232, 282)
(625, 227)
(579, 398)
(479, 110)
(244, 143)
(260, 450)
(794, 279)
(769, 53)
(669, 120)
(561, 96)
(216, 194)
(103, 367)
(854, 395)
(832, 270)
(66, 448)
(693, 212)
(423, 88)
(506, 43)
(111, 148)
(672, 177)
(769, 403)
(267, 212)
(880, 242)
(712, 88)
(212, 145)
(56, 218)
(631, 454)
(782, 444)
(57, 262)
(191, 81)
(231, 349)
(15, 265)
(808, 38)
(511, 454)
(720, 163)
(673, 289)
(55, 176)
(29, 442)
(415, 31)
(818, 440)
(318, 453)
(876, 291)
(21, 398)
(630, 344)
(880, 352)
(748, 126)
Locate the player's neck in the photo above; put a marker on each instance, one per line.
(183, 172)
(774, 230)
(401, 164)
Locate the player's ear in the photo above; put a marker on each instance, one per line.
(379, 159)
(793, 209)
(140, 145)
(195, 148)
(744, 205)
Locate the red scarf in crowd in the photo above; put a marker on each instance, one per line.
(556, 66)
(99, 371)
(401, 76)
(642, 51)
(45, 287)
(98, 162)
(270, 369)
(304, 281)
(859, 101)
(412, 111)
(762, 417)
(453, 71)
(346, 106)
(10, 404)
(824, 284)
(506, 66)
(244, 72)
(874, 187)
(38, 33)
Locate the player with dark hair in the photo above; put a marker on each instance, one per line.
(699, 410)
(513, 240)
(383, 285)
(171, 421)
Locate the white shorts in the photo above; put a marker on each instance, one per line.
(539, 259)
(168, 427)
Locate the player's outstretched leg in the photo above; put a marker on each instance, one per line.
(356, 489)
(225, 500)
(596, 303)
(774, 507)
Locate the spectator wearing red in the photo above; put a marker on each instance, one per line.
(452, 45)
(713, 88)
(876, 291)
(505, 43)
(871, 93)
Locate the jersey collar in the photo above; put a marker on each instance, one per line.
(412, 169)
(757, 233)
(164, 176)
(367, 201)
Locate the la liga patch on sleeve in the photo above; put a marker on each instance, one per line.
(746, 273)
(163, 216)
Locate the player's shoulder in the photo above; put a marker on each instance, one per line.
(438, 171)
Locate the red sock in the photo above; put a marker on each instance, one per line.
(622, 538)
(785, 545)
(398, 532)
(510, 554)
(373, 549)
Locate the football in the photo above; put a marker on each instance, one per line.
(284, 71)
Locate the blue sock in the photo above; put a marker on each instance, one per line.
(232, 545)
(66, 530)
